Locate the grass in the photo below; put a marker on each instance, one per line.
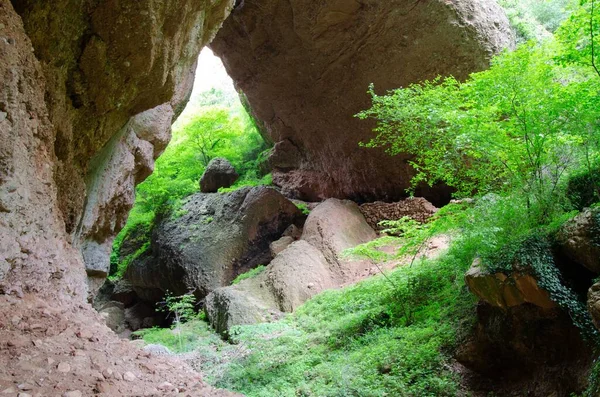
(249, 274)
(371, 339)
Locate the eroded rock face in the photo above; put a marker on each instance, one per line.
(305, 67)
(216, 237)
(117, 74)
(35, 256)
(579, 240)
(504, 290)
(525, 350)
(42, 277)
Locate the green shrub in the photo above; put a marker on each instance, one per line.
(370, 339)
(583, 188)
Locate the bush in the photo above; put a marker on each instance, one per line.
(583, 188)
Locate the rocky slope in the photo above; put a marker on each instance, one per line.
(532, 327)
(300, 271)
(304, 68)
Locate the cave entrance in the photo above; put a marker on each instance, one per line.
(214, 124)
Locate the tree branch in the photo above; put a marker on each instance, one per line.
(592, 39)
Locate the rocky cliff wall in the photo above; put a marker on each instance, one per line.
(117, 74)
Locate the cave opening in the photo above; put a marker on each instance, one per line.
(214, 128)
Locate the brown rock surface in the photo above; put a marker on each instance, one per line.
(300, 271)
(217, 237)
(117, 74)
(219, 173)
(506, 290)
(334, 226)
(579, 239)
(74, 352)
(305, 67)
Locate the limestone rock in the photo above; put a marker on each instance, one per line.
(301, 270)
(218, 237)
(506, 290)
(219, 173)
(305, 67)
(113, 314)
(248, 302)
(579, 239)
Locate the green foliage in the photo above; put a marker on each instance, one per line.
(303, 208)
(579, 37)
(523, 125)
(192, 335)
(534, 252)
(250, 179)
(249, 274)
(180, 307)
(536, 19)
(583, 187)
(137, 233)
(370, 339)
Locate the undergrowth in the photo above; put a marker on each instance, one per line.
(373, 339)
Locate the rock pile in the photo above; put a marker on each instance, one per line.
(416, 208)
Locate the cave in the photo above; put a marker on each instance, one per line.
(89, 91)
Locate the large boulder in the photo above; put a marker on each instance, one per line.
(504, 290)
(334, 226)
(212, 239)
(219, 173)
(305, 67)
(579, 240)
(248, 302)
(298, 273)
